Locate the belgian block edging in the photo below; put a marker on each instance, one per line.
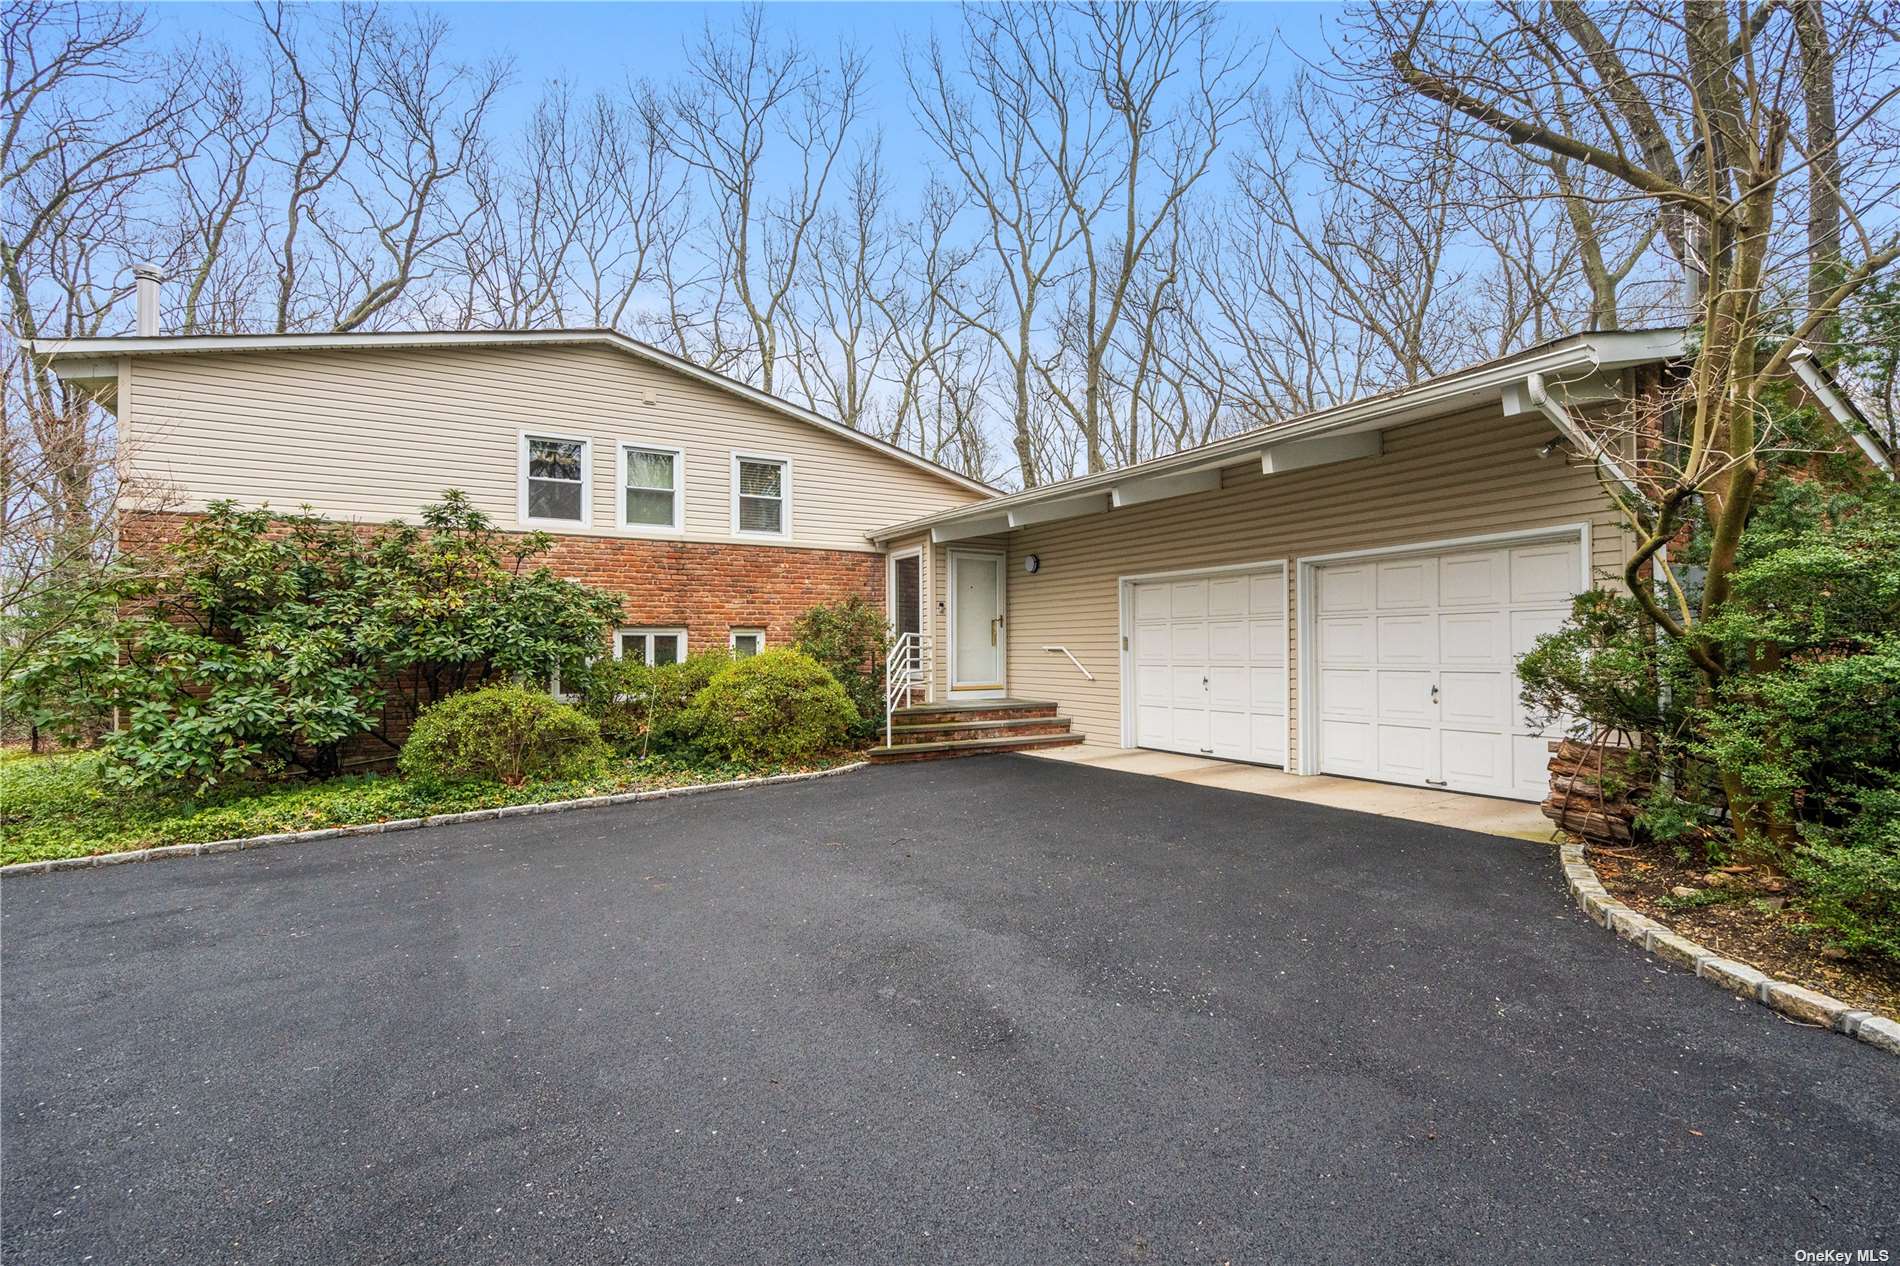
(403, 824)
(1794, 1001)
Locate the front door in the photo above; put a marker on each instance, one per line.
(977, 645)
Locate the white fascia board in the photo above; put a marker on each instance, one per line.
(1323, 451)
(1849, 418)
(1052, 511)
(964, 529)
(1161, 487)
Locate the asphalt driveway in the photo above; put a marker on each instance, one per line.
(997, 1010)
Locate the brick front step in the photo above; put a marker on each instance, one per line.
(968, 747)
(1020, 726)
(982, 710)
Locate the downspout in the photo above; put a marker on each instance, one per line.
(1560, 418)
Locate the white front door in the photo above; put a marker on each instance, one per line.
(977, 634)
(1416, 664)
(1209, 658)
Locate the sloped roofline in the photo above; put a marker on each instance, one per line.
(70, 353)
(1576, 353)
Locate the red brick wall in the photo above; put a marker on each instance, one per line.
(710, 589)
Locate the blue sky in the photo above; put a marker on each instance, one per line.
(594, 46)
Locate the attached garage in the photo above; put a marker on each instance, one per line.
(1412, 656)
(1209, 658)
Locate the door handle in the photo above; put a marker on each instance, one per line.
(1434, 692)
(993, 623)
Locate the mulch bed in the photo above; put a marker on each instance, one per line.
(1753, 921)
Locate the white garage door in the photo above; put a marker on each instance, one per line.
(1416, 664)
(1210, 665)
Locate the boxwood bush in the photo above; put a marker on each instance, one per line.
(778, 706)
(648, 710)
(508, 734)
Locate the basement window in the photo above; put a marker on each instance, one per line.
(650, 646)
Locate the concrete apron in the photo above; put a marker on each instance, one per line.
(1483, 814)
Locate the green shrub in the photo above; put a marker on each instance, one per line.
(263, 643)
(507, 734)
(850, 639)
(1851, 878)
(645, 710)
(778, 706)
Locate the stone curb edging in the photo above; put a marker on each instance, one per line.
(1794, 1001)
(404, 824)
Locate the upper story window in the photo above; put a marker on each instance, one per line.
(761, 495)
(554, 479)
(650, 488)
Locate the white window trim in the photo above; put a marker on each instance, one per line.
(648, 631)
(734, 634)
(785, 497)
(678, 525)
(587, 481)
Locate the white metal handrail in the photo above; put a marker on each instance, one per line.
(905, 668)
(1072, 659)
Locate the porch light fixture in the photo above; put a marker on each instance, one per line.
(1032, 564)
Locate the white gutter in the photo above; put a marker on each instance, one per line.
(1845, 413)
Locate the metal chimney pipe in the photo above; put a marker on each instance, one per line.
(149, 277)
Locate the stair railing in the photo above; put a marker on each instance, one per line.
(905, 668)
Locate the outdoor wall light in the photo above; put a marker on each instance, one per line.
(1032, 564)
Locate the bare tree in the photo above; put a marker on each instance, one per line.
(1733, 81)
(748, 102)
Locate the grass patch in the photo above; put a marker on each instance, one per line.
(58, 806)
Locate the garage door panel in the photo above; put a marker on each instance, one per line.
(1407, 639)
(1530, 765)
(1228, 686)
(1348, 639)
(1475, 759)
(1474, 698)
(1473, 637)
(1188, 728)
(1152, 684)
(1269, 691)
(1346, 692)
(1187, 643)
(1543, 574)
(1345, 588)
(1227, 597)
(1345, 747)
(1268, 744)
(1405, 695)
(1266, 643)
(1268, 596)
(1187, 600)
(1227, 641)
(1405, 752)
(1230, 734)
(1151, 603)
(1476, 579)
(1406, 584)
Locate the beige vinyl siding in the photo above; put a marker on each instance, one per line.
(1471, 475)
(374, 435)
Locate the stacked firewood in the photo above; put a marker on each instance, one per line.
(1594, 785)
